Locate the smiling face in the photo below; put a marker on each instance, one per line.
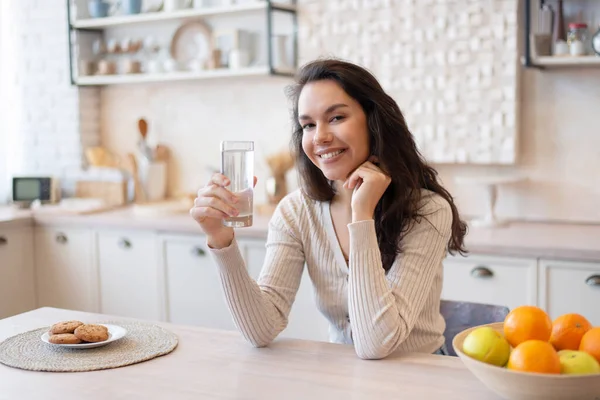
(335, 134)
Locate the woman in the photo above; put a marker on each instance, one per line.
(371, 223)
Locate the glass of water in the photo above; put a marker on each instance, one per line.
(237, 164)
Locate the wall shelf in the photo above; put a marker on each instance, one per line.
(101, 80)
(566, 61)
(256, 18)
(159, 16)
(532, 60)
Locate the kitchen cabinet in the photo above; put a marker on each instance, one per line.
(504, 281)
(128, 272)
(194, 295)
(17, 276)
(570, 287)
(64, 268)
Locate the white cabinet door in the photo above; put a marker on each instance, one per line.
(570, 287)
(503, 281)
(194, 294)
(64, 268)
(305, 320)
(129, 274)
(17, 277)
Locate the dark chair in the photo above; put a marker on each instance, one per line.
(461, 315)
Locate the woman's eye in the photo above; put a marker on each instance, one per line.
(337, 118)
(307, 126)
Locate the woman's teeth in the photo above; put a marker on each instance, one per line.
(331, 155)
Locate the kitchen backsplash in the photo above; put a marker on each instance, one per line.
(557, 147)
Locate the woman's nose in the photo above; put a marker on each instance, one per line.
(322, 135)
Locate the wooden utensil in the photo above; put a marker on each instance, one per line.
(143, 144)
(143, 126)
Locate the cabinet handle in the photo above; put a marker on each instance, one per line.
(124, 244)
(3, 241)
(481, 272)
(61, 238)
(593, 280)
(198, 251)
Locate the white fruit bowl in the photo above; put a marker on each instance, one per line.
(514, 385)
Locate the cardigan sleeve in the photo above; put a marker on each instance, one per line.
(384, 307)
(260, 309)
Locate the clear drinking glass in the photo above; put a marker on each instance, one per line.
(237, 164)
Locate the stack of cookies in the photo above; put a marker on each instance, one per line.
(76, 332)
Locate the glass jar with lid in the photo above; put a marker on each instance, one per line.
(577, 38)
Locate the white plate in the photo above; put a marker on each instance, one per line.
(192, 41)
(115, 332)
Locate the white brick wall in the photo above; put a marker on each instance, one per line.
(47, 130)
(451, 66)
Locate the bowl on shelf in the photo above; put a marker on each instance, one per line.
(514, 385)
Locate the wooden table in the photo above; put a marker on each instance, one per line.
(210, 364)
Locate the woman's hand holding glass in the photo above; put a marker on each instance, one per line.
(214, 203)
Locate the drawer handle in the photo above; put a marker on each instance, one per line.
(481, 272)
(593, 280)
(3, 241)
(198, 251)
(124, 244)
(61, 238)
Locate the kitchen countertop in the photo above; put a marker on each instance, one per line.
(211, 364)
(519, 239)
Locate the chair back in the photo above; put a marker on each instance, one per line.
(461, 315)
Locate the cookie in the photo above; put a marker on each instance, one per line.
(64, 338)
(92, 333)
(65, 327)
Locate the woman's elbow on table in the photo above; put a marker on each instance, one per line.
(369, 348)
(258, 341)
(372, 354)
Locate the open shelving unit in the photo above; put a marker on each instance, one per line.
(263, 9)
(531, 60)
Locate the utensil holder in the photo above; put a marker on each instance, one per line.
(153, 178)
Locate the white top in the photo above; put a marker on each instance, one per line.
(379, 313)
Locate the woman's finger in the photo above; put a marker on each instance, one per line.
(219, 179)
(216, 203)
(355, 177)
(201, 213)
(214, 190)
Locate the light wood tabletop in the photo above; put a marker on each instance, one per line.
(212, 364)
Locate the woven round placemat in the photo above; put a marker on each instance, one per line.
(141, 343)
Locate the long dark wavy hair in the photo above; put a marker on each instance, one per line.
(391, 142)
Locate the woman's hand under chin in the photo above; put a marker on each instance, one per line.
(369, 183)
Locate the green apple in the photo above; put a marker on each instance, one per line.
(574, 362)
(487, 345)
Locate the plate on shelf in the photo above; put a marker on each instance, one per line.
(115, 333)
(192, 42)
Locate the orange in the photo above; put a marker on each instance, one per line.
(567, 331)
(590, 342)
(527, 323)
(534, 356)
